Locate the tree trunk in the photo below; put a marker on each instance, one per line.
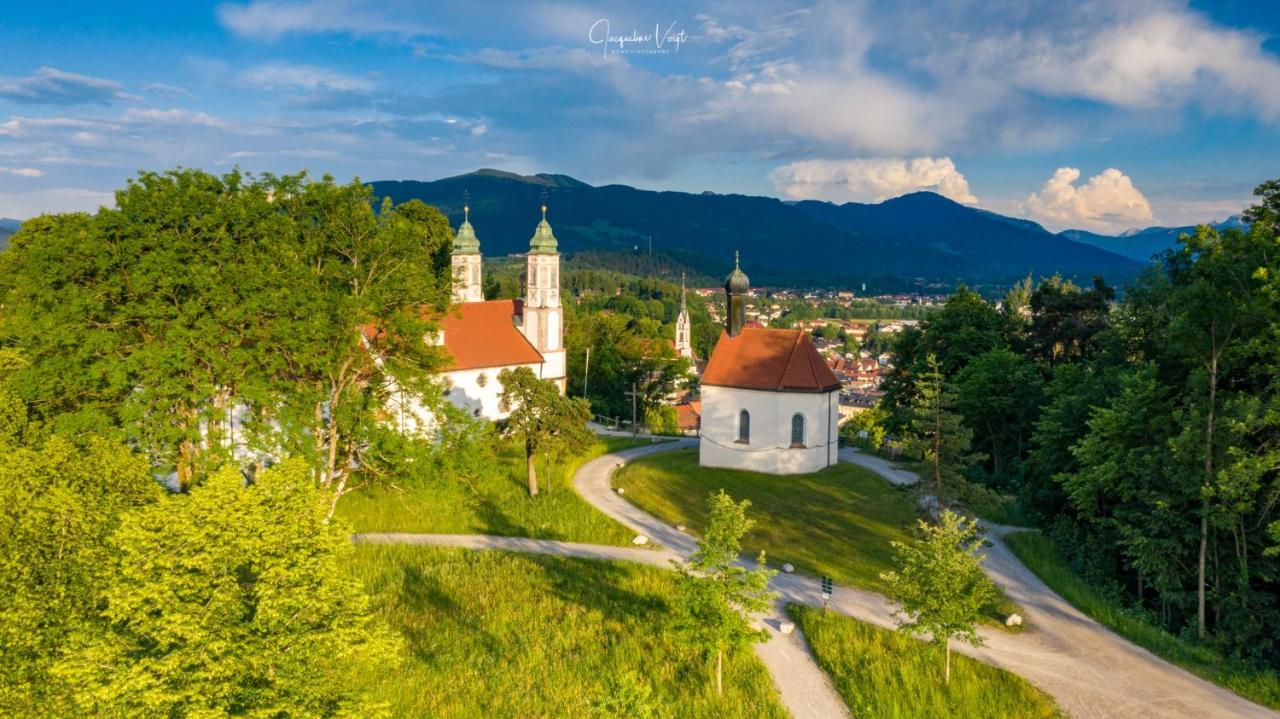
(531, 461)
(337, 494)
(1208, 482)
(946, 675)
(720, 673)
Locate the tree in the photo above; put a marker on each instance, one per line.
(939, 583)
(998, 394)
(232, 599)
(60, 501)
(1065, 319)
(715, 594)
(544, 419)
(937, 432)
(288, 299)
(1215, 299)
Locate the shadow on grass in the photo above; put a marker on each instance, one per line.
(424, 593)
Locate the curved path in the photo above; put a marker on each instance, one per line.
(1089, 670)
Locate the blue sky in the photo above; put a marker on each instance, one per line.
(1100, 115)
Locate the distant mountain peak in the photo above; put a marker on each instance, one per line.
(546, 179)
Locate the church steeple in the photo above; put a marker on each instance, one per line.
(736, 286)
(542, 320)
(466, 260)
(684, 345)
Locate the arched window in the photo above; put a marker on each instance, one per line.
(797, 430)
(744, 427)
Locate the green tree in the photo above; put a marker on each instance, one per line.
(715, 594)
(938, 433)
(230, 600)
(872, 421)
(1066, 320)
(60, 501)
(939, 583)
(290, 299)
(999, 393)
(543, 419)
(1215, 301)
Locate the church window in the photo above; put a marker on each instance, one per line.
(744, 427)
(797, 430)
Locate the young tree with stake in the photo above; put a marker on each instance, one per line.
(715, 595)
(939, 583)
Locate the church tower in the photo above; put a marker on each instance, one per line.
(466, 260)
(735, 287)
(684, 340)
(543, 319)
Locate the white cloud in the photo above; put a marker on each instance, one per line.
(1108, 202)
(1160, 59)
(21, 171)
(871, 179)
(51, 86)
(272, 19)
(282, 75)
(152, 116)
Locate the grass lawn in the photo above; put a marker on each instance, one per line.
(886, 675)
(1038, 553)
(496, 504)
(495, 634)
(837, 522)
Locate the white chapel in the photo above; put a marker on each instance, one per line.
(769, 401)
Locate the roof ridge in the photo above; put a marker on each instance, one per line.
(791, 358)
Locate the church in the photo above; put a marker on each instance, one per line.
(769, 401)
(482, 338)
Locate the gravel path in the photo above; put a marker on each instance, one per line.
(1090, 671)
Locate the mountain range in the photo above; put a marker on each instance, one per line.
(909, 240)
(1142, 244)
(7, 228)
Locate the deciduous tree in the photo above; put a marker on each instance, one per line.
(543, 419)
(939, 583)
(716, 596)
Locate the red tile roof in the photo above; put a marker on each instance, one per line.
(484, 334)
(689, 415)
(778, 360)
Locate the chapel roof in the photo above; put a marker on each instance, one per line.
(769, 359)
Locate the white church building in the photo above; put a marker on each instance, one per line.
(482, 338)
(769, 401)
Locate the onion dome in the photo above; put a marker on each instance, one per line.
(736, 283)
(543, 241)
(465, 242)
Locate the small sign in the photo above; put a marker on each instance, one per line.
(862, 434)
(827, 586)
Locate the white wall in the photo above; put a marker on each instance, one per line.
(465, 390)
(770, 447)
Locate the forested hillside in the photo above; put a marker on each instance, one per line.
(1142, 436)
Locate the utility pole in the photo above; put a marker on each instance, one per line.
(586, 371)
(633, 394)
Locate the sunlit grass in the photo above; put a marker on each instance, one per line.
(498, 503)
(886, 675)
(839, 522)
(1042, 557)
(494, 634)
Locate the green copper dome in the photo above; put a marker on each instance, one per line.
(543, 241)
(737, 282)
(465, 242)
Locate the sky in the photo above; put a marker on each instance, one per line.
(1094, 115)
